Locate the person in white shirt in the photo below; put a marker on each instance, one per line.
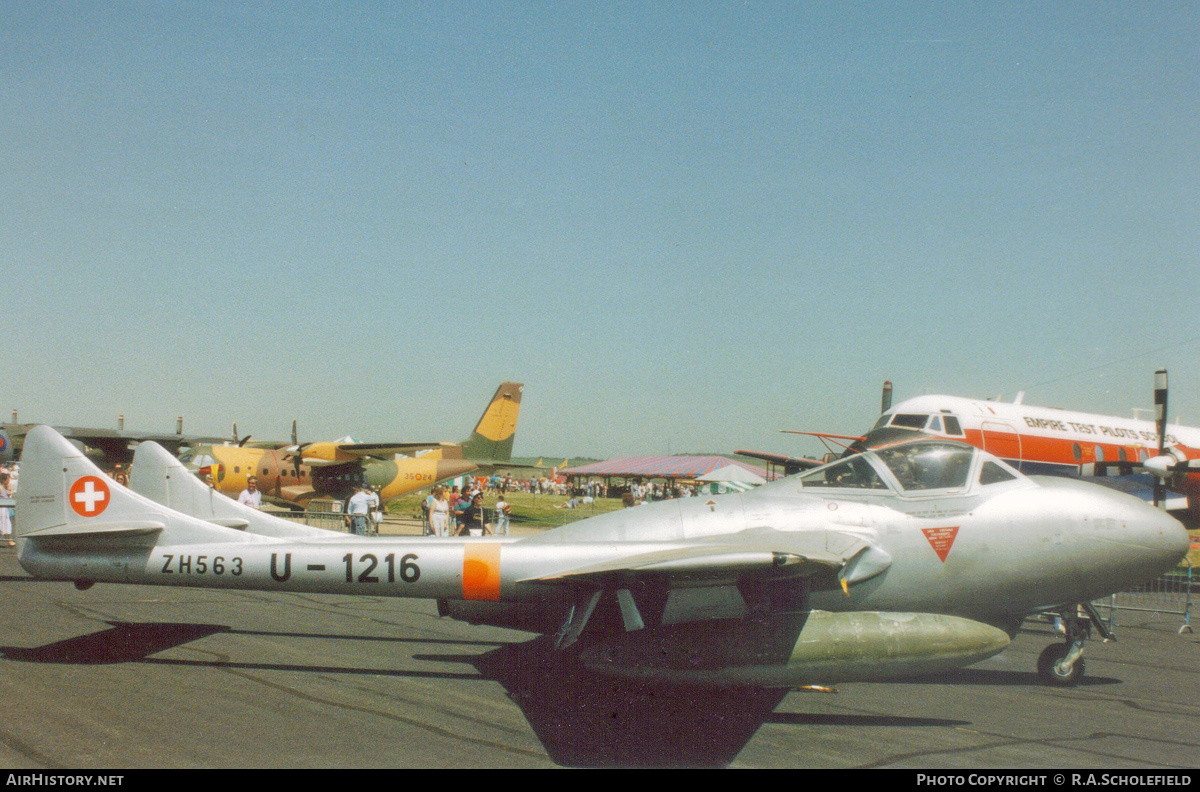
(5, 511)
(502, 512)
(251, 496)
(439, 513)
(358, 511)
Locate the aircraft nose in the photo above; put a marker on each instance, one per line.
(1171, 536)
(1124, 541)
(1160, 541)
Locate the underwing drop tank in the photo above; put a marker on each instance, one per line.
(793, 650)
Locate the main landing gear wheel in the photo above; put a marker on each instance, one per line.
(1052, 669)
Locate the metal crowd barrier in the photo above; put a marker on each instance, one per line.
(1168, 595)
(327, 514)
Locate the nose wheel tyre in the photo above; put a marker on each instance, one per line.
(1053, 672)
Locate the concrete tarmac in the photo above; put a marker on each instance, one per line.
(155, 677)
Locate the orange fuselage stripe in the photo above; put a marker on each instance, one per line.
(481, 572)
(1054, 450)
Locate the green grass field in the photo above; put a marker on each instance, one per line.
(527, 509)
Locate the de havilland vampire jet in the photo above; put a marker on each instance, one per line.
(295, 474)
(901, 561)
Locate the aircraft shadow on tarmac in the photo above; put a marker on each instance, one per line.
(995, 678)
(583, 719)
(125, 642)
(120, 643)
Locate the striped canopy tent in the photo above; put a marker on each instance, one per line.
(689, 468)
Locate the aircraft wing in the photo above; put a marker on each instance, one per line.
(844, 442)
(703, 580)
(109, 442)
(337, 452)
(1122, 477)
(118, 445)
(382, 450)
(824, 435)
(789, 464)
(705, 561)
(329, 463)
(488, 466)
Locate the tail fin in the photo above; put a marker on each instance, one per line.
(493, 435)
(65, 499)
(162, 478)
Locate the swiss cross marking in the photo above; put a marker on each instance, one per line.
(941, 540)
(88, 496)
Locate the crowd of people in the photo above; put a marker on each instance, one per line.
(451, 511)
(462, 513)
(645, 492)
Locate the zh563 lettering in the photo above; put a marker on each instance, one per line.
(201, 565)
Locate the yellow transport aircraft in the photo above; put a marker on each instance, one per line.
(296, 474)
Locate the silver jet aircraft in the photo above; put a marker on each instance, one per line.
(907, 560)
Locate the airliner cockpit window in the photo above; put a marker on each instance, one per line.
(925, 466)
(883, 419)
(910, 421)
(935, 424)
(854, 473)
(952, 426)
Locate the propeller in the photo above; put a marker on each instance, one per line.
(1170, 462)
(1168, 465)
(886, 403)
(297, 448)
(236, 441)
(1160, 426)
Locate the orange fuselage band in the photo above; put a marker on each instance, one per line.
(481, 572)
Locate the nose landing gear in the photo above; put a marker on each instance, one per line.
(1061, 665)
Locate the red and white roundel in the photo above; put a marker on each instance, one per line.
(88, 496)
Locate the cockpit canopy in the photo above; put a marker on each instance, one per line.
(913, 468)
(939, 423)
(196, 459)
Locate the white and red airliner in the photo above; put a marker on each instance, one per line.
(1046, 440)
(1145, 458)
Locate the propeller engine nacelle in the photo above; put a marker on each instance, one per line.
(1166, 464)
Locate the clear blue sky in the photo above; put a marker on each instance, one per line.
(683, 226)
